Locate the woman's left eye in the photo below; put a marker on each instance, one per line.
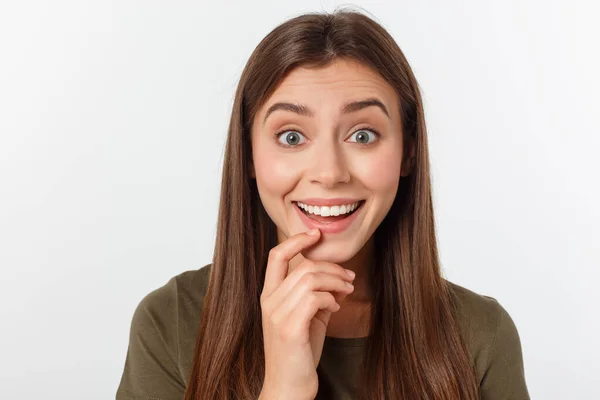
(362, 136)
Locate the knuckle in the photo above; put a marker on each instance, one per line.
(313, 299)
(309, 279)
(273, 320)
(265, 305)
(274, 254)
(305, 266)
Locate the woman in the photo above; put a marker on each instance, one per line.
(327, 132)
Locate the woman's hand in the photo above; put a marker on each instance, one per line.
(295, 312)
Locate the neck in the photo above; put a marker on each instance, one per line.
(362, 264)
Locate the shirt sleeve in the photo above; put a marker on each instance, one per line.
(504, 377)
(151, 369)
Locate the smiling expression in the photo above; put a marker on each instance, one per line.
(332, 133)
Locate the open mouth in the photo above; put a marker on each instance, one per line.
(328, 214)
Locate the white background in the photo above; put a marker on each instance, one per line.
(113, 117)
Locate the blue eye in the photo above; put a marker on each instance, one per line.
(292, 138)
(363, 138)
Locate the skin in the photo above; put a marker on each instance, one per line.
(329, 160)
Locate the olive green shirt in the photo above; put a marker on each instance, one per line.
(166, 321)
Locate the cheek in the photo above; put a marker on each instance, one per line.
(276, 175)
(380, 171)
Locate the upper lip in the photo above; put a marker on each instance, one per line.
(328, 202)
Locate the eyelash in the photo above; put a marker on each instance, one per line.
(365, 128)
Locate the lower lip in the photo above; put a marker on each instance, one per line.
(331, 227)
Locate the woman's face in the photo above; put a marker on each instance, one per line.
(316, 150)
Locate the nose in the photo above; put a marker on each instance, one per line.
(329, 166)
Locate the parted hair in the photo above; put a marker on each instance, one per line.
(415, 349)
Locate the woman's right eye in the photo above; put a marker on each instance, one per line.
(290, 138)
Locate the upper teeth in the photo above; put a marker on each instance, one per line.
(326, 211)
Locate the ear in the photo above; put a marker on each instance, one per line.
(408, 162)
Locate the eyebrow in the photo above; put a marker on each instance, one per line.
(346, 109)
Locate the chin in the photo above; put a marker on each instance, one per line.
(323, 252)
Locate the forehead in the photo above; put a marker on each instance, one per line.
(336, 83)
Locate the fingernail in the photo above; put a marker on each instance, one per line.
(350, 273)
(313, 232)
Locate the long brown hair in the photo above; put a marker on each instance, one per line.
(415, 349)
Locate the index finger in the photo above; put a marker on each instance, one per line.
(280, 256)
